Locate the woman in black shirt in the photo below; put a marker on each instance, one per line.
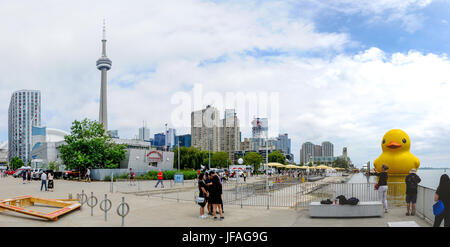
(443, 194)
(215, 196)
(382, 186)
(203, 192)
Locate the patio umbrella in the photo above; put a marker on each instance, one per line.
(292, 166)
(274, 164)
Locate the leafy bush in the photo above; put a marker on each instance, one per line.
(169, 175)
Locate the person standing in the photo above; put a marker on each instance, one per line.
(24, 176)
(215, 196)
(160, 179)
(44, 180)
(132, 177)
(208, 184)
(203, 192)
(50, 181)
(28, 176)
(382, 185)
(87, 176)
(443, 194)
(412, 180)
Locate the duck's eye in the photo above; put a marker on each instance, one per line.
(404, 140)
(384, 141)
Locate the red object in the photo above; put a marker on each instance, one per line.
(160, 175)
(335, 202)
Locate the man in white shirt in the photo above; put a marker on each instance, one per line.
(88, 175)
(44, 180)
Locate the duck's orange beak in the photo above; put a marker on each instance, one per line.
(393, 145)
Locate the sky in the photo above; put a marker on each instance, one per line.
(345, 71)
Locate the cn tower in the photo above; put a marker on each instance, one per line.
(103, 64)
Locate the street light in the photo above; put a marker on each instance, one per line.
(178, 154)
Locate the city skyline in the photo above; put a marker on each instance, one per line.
(347, 76)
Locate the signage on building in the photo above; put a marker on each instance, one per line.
(155, 156)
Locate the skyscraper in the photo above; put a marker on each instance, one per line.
(170, 138)
(230, 133)
(144, 133)
(260, 128)
(24, 112)
(205, 132)
(327, 148)
(306, 152)
(318, 151)
(103, 64)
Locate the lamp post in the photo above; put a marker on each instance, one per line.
(178, 154)
(209, 151)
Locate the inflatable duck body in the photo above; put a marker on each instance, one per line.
(396, 155)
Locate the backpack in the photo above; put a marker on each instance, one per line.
(327, 201)
(342, 200)
(352, 201)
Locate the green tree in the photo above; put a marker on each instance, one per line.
(277, 157)
(310, 164)
(190, 158)
(220, 159)
(16, 163)
(340, 162)
(253, 159)
(89, 146)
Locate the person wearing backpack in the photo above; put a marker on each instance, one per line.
(412, 180)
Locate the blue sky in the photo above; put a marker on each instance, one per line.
(346, 71)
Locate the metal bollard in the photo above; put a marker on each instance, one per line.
(105, 206)
(83, 198)
(111, 187)
(241, 196)
(122, 212)
(92, 204)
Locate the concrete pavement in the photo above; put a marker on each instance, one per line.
(152, 211)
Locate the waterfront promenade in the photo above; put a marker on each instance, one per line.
(154, 211)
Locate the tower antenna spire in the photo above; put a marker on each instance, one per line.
(104, 29)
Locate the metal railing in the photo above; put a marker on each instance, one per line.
(280, 193)
(425, 201)
(300, 195)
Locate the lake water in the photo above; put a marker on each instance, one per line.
(430, 177)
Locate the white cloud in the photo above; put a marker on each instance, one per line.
(405, 11)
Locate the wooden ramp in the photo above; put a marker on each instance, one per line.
(18, 204)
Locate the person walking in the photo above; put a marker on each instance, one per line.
(443, 194)
(160, 179)
(44, 180)
(382, 185)
(87, 176)
(50, 181)
(215, 196)
(203, 193)
(412, 180)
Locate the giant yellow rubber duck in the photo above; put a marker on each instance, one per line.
(396, 155)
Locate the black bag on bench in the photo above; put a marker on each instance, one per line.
(327, 201)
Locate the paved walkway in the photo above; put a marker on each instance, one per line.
(151, 211)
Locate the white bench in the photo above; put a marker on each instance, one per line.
(403, 224)
(362, 209)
